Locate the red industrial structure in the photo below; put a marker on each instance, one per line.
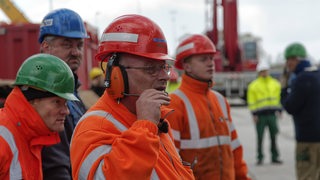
(237, 58)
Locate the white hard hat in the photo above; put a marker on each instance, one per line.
(263, 65)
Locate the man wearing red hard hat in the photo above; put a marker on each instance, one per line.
(125, 134)
(203, 130)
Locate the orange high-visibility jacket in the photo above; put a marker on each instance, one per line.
(22, 137)
(204, 133)
(110, 143)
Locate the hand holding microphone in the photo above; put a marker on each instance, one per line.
(149, 103)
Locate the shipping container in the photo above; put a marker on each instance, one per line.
(19, 41)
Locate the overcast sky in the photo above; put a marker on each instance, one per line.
(276, 22)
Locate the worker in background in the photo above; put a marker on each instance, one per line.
(204, 133)
(174, 81)
(125, 134)
(300, 97)
(33, 113)
(62, 34)
(97, 87)
(96, 76)
(263, 99)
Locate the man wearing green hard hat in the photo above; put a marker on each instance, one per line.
(300, 97)
(295, 53)
(33, 114)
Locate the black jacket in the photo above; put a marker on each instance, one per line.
(302, 101)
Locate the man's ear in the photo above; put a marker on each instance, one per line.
(44, 47)
(186, 66)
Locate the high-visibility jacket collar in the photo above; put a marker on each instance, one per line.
(267, 78)
(27, 120)
(196, 85)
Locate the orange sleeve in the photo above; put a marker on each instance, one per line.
(240, 165)
(133, 152)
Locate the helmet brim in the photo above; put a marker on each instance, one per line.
(180, 59)
(75, 34)
(67, 96)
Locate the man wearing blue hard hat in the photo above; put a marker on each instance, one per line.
(62, 34)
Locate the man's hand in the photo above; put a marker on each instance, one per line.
(284, 78)
(149, 103)
(279, 115)
(255, 119)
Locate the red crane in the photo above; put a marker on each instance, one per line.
(234, 55)
(237, 58)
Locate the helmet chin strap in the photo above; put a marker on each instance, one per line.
(128, 94)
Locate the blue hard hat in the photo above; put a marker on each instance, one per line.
(62, 22)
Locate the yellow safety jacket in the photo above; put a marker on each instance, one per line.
(264, 95)
(172, 86)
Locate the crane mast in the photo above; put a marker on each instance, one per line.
(227, 42)
(238, 55)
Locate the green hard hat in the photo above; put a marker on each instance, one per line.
(49, 73)
(295, 50)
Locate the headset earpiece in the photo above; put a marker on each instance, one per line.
(116, 78)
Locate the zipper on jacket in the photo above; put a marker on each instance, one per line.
(194, 162)
(170, 157)
(218, 138)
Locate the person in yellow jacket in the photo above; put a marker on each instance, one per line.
(33, 114)
(263, 99)
(174, 81)
(96, 76)
(204, 133)
(125, 135)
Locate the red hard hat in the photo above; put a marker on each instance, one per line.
(194, 44)
(133, 34)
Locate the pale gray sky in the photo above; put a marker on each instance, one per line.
(277, 23)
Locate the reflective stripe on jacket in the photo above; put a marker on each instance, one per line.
(15, 167)
(116, 146)
(264, 95)
(196, 142)
(22, 137)
(204, 133)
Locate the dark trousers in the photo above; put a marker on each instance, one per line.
(269, 121)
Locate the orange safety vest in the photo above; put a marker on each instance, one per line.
(110, 143)
(22, 137)
(204, 133)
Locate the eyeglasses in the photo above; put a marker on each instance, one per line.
(153, 70)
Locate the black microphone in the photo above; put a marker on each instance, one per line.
(163, 126)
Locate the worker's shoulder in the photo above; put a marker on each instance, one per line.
(254, 83)
(275, 81)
